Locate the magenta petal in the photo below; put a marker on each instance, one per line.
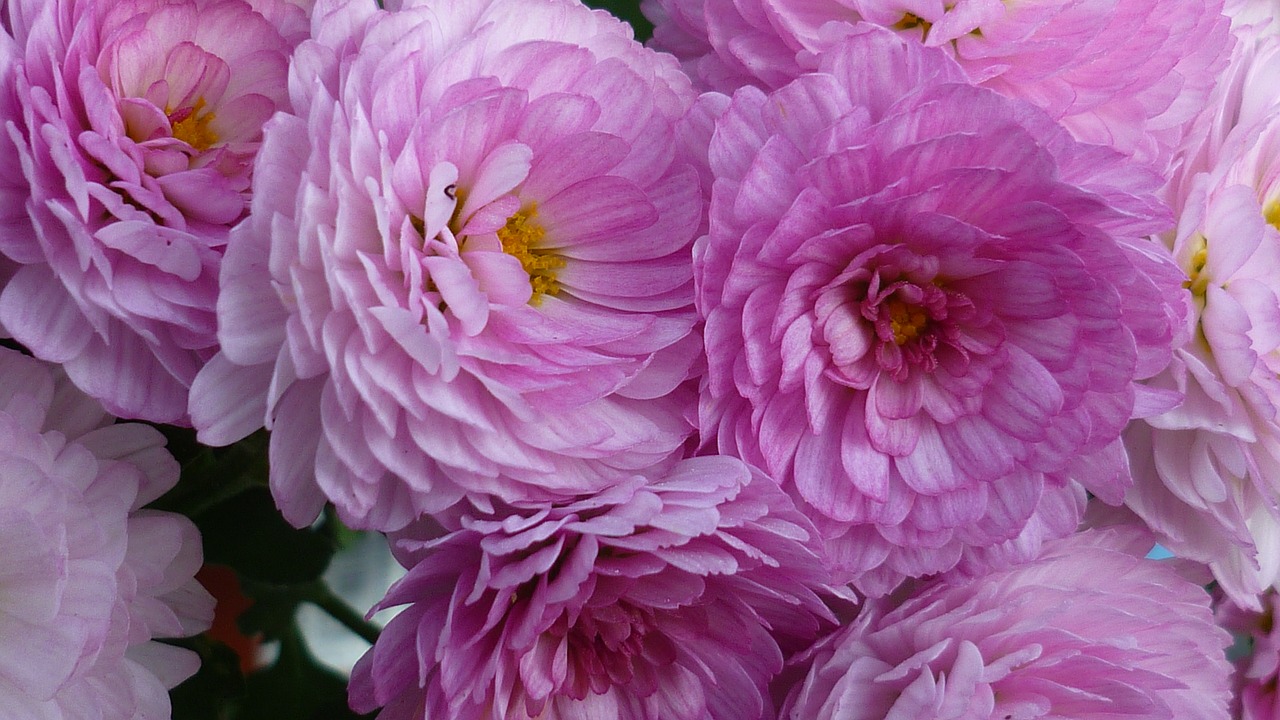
(167, 251)
(838, 500)
(927, 469)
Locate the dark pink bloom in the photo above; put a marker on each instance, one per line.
(1087, 631)
(926, 307)
(129, 135)
(481, 286)
(652, 600)
(87, 578)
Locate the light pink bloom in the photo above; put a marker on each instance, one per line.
(1244, 95)
(652, 600)
(129, 131)
(1086, 631)
(1208, 473)
(925, 309)
(1125, 73)
(482, 286)
(87, 578)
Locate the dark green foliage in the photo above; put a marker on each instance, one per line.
(628, 11)
(248, 533)
(223, 490)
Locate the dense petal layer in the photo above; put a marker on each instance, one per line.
(659, 599)
(1208, 472)
(1085, 631)
(88, 579)
(130, 131)
(481, 288)
(942, 304)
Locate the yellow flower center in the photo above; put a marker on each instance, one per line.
(906, 321)
(1195, 282)
(1271, 213)
(911, 20)
(192, 127)
(521, 237)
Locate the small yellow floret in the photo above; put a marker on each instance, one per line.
(191, 127)
(907, 321)
(1271, 213)
(521, 237)
(911, 20)
(1195, 281)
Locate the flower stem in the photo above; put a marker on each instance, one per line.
(321, 596)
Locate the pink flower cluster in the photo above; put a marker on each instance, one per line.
(777, 376)
(943, 312)
(133, 127)
(1086, 630)
(480, 288)
(1208, 472)
(88, 578)
(661, 598)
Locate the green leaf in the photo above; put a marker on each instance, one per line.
(212, 693)
(248, 533)
(273, 609)
(628, 11)
(211, 476)
(296, 687)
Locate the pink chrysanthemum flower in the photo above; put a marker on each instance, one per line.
(1208, 473)
(1129, 74)
(129, 131)
(482, 286)
(925, 309)
(1088, 631)
(652, 600)
(87, 579)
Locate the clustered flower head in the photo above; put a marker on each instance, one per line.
(788, 397)
(88, 578)
(479, 287)
(925, 309)
(1128, 74)
(1208, 471)
(653, 599)
(133, 127)
(1087, 630)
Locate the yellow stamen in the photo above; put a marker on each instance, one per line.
(907, 321)
(191, 127)
(1195, 281)
(1271, 213)
(911, 20)
(521, 237)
